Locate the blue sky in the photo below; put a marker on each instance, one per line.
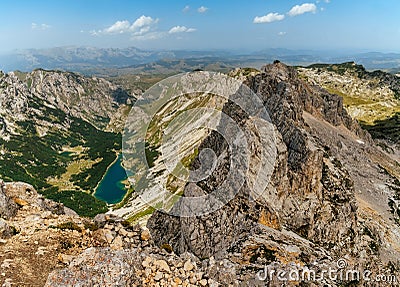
(372, 25)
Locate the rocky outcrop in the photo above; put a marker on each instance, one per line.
(131, 267)
(42, 235)
(307, 194)
(311, 193)
(368, 96)
(8, 208)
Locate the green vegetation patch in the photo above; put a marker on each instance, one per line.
(82, 203)
(34, 158)
(388, 129)
(148, 211)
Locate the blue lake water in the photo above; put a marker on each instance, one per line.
(111, 189)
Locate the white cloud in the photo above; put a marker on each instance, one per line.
(186, 9)
(271, 17)
(118, 27)
(282, 33)
(181, 29)
(143, 21)
(140, 27)
(35, 26)
(202, 9)
(303, 8)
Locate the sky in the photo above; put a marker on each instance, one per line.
(252, 25)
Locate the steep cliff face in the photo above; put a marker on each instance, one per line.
(303, 191)
(315, 191)
(312, 193)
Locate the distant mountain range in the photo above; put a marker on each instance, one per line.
(91, 60)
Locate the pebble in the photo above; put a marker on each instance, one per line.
(64, 258)
(145, 235)
(108, 235)
(158, 276)
(162, 265)
(177, 280)
(146, 262)
(20, 202)
(123, 232)
(188, 266)
(117, 243)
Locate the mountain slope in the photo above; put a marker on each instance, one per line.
(368, 96)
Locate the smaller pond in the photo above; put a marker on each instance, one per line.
(66, 153)
(111, 188)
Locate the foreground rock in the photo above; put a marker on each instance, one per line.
(42, 235)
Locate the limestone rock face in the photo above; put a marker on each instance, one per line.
(307, 193)
(312, 193)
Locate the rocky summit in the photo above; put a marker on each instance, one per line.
(332, 204)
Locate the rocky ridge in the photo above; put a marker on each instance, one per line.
(368, 96)
(24, 95)
(316, 190)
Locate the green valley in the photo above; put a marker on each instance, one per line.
(58, 149)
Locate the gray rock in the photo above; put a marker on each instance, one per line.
(100, 220)
(8, 208)
(97, 267)
(6, 231)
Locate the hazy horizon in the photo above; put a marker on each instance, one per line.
(326, 52)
